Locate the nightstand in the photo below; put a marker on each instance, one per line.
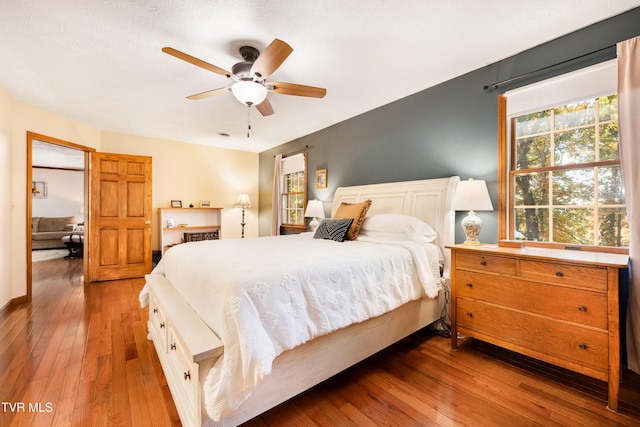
(559, 306)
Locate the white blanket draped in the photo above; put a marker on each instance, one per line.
(265, 295)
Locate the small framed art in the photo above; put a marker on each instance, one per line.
(321, 179)
(205, 203)
(176, 203)
(39, 189)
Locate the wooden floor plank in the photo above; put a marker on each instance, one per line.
(84, 350)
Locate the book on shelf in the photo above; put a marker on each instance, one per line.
(197, 237)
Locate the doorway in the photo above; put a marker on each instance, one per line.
(52, 165)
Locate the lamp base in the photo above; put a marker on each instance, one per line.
(472, 225)
(313, 224)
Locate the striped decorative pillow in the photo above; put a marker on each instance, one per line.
(333, 229)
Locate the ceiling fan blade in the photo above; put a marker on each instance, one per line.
(195, 61)
(298, 90)
(272, 57)
(209, 93)
(265, 107)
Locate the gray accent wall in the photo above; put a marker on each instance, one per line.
(448, 129)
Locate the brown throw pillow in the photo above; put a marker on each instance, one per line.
(357, 211)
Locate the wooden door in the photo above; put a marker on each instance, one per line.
(120, 217)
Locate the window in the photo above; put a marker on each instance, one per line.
(294, 191)
(565, 176)
(560, 176)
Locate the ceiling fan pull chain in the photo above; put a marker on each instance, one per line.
(248, 119)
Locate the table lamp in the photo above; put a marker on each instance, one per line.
(314, 210)
(472, 195)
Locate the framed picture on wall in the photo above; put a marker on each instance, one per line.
(321, 179)
(39, 189)
(176, 203)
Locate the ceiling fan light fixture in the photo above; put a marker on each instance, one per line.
(248, 92)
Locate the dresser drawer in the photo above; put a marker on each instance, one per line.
(481, 262)
(563, 341)
(158, 325)
(565, 274)
(573, 305)
(186, 381)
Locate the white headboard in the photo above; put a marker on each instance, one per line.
(428, 199)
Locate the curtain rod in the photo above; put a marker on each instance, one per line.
(522, 76)
(306, 147)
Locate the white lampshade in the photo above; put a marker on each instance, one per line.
(472, 195)
(314, 209)
(243, 201)
(248, 92)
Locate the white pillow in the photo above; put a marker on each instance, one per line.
(409, 226)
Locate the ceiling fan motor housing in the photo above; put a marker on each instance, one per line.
(242, 70)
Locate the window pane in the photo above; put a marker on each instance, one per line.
(614, 227)
(572, 115)
(285, 210)
(532, 189)
(610, 186)
(558, 199)
(608, 143)
(608, 108)
(573, 187)
(574, 226)
(532, 224)
(292, 209)
(534, 123)
(575, 146)
(533, 152)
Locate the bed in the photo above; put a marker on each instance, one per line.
(216, 384)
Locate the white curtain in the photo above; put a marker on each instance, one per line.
(629, 133)
(275, 205)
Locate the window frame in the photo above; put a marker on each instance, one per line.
(506, 173)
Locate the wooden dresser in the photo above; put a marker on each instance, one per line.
(559, 306)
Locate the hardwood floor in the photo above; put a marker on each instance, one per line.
(78, 356)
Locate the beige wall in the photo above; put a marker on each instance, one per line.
(191, 173)
(180, 171)
(6, 206)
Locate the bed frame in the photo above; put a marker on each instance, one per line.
(187, 348)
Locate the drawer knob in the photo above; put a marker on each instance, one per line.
(162, 325)
(173, 346)
(187, 375)
(469, 285)
(583, 346)
(559, 273)
(155, 310)
(470, 314)
(483, 262)
(582, 308)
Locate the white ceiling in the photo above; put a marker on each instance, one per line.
(99, 62)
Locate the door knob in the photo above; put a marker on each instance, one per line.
(147, 222)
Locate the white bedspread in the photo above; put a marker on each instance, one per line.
(265, 295)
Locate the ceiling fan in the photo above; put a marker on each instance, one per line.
(250, 76)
